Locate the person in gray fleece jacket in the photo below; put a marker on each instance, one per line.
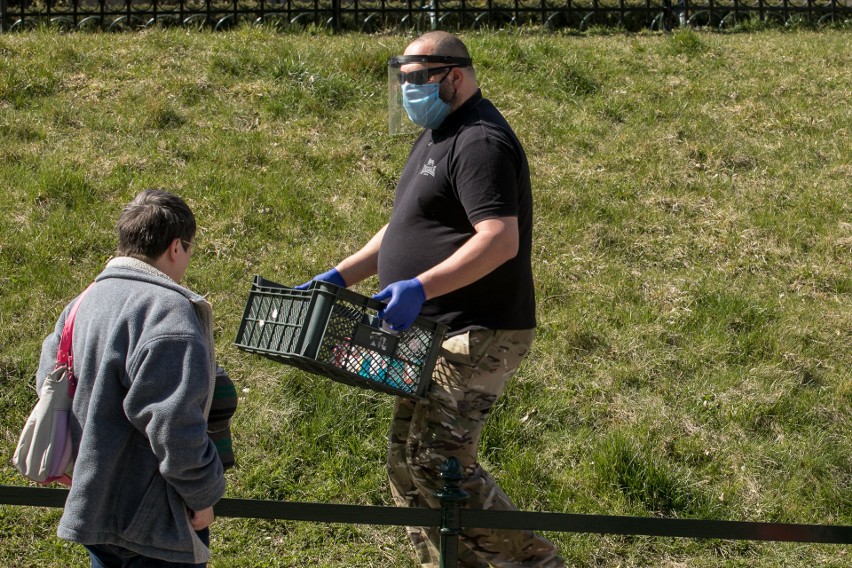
(146, 474)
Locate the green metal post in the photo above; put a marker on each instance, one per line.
(451, 497)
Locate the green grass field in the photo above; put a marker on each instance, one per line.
(693, 262)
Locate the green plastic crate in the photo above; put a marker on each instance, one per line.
(335, 332)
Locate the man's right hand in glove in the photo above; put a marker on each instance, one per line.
(332, 277)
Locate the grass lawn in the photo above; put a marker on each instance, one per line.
(693, 263)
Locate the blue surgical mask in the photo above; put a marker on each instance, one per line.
(423, 105)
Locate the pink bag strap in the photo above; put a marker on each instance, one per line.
(63, 355)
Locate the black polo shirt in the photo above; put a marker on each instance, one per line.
(471, 169)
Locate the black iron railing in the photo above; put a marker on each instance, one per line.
(452, 517)
(378, 15)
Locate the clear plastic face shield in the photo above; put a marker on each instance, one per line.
(413, 71)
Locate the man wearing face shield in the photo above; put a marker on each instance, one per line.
(457, 249)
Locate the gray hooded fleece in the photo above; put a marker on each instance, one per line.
(143, 355)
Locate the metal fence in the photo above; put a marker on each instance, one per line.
(452, 517)
(419, 15)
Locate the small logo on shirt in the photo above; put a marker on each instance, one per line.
(428, 168)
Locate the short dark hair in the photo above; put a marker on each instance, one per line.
(148, 224)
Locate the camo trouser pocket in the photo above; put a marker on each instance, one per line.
(479, 363)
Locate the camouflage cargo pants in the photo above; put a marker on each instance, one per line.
(470, 375)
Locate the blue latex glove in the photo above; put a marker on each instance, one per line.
(332, 277)
(405, 298)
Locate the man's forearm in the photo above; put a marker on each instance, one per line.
(495, 242)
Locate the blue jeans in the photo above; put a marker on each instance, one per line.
(111, 556)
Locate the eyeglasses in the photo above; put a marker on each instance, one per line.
(421, 76)
(187, 245)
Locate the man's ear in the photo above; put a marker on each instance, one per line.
(173, 249)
